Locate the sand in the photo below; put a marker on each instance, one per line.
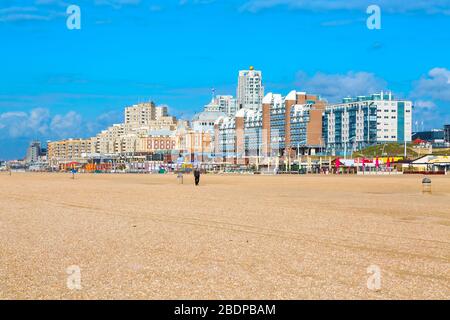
(234, 237)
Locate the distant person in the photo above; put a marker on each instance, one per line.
(197, 176)
(180, 177)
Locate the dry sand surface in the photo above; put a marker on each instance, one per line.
(234, 237)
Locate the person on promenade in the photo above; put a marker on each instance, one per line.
(197, 176)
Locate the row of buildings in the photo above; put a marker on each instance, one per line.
(253, 127)
(305, 124)
(149, 132)
(436, 137)
(147, 129)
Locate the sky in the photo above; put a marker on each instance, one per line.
(57, 83)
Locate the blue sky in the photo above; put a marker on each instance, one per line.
(58, 83)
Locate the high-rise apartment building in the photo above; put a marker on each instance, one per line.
(33, 152)
(140, 114)
(250, 91)
(227, 104)
(109, 141)
(147, 115)
(366, 120)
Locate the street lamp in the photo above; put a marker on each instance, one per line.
(345, 145)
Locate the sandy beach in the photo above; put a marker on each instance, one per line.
(233, 237)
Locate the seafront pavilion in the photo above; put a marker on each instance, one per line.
(234, 237)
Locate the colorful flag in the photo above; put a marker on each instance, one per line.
(338, 163)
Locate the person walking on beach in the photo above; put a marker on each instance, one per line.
(197, 176)
(180, 177)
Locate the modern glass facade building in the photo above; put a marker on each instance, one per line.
(253, 133)
(282, 127)
(366, 120)
(225, 131)
(277, 114)
(430, 136)
(349, 127)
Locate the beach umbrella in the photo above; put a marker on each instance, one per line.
(338, 163)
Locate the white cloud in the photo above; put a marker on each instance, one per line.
(117, 3)
(432, 92)
(46, 10)
(17, 10)
(66, 125)
(423, 104)
(21, 124)
(435, 85)
(183, 2)
(392, 6)
(39, 123)
(29, 13)
(23, 17)
(334, 87)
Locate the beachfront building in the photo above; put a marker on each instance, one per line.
(227, 104)
(250, 91)
(146, 129)
(366, 120)
(109, 141)
(66, 151)
(225, 139)
(194, 146)
(161, 141)
(148, 116)
(251, 134)
(129, 138)
(197, 141)
(204, 121)
(224, 104)
(428, 164)
(296, 124)
(282, 127)
(434, 138)
(447, 133)
(34, 151)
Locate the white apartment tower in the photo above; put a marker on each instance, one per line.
(250, 91)
(33, 152)
(225, 104)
